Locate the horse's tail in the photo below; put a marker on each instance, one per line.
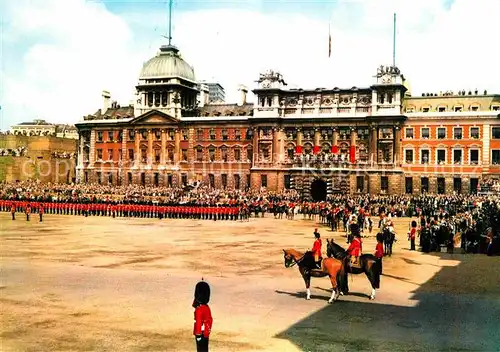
(341, 276)
(377, 270)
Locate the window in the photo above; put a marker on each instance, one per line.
(474, 108)
(131, 154)
(237, 134)
(409, 185)
(265, 153)
(224, 154)
(211, 153)
(441, 109)
(248, 181)
(474, 182)
(129, 177)
(425, 133)
(157, 155)
(225, 135)
(170, 180)
(409, 156)
(474, 157)
(290, 153)
(409, 133)
(143, 179)
(474, 132)
(171, 135)
(360, 183)
(170, 154)
(441, 185)
(237, 154)
(211, 180)
(457, 133)
(441, 133)
(457, 184)
(99, 154)
(199, 154)
(263, 180)
(184, 155)
(199, 135)
(110, 154)
(144, 155)
(441, 156)
(495, 157)
(457, 109)
(288, 181)
(424, 156)
(424, 184)
(184, 179)
(495, 133)
(185, 135)
(156, 179)
(100, 136)
(410, 110)
(158, 135)
(131, 136)
(119, 155)
(495, 107)
(99, 177)
(384, 183)
(224, 180)
(212, 134)
(457, 156)
(237, 181)
(425, 109)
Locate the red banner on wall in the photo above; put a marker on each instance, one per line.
(316, 149)
(335, 149)
(298, 149)
(352, 154)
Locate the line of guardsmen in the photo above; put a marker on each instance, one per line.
(124, 210)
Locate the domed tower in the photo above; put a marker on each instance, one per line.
(167, 83)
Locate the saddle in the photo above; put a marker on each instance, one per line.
(354, 262)
(320, 269)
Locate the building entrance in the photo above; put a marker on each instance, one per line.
(318, 190)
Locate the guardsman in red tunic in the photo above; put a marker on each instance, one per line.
(27, 210)
(13, 211)
(355, 249)
(379, 251)
(316, 249)
(41, 211)
(202, 316)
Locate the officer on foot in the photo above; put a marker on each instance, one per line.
(202, 316)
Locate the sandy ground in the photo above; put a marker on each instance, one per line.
(99, 284)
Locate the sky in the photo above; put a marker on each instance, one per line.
(57, 56)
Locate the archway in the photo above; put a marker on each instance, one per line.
(318, 190)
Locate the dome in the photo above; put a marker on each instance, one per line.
(167, 63)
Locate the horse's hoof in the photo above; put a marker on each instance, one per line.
(330, 301)
(341, 293)
(372, 298)
(308, 298)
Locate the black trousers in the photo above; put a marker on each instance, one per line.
(412, 244)
(202, 344)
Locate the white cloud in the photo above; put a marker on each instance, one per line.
(79, 48)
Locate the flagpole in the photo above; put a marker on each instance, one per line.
(394, 42)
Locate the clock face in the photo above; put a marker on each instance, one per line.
(386, 79)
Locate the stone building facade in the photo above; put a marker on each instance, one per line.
(44, 158)
(317, 141)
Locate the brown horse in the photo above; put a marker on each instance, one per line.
(330, 267)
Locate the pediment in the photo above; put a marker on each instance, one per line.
(154, 117)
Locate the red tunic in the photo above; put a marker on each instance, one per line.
(355, 247)
(316, 250)
(413, 232)
(202, 318)
(379, 250)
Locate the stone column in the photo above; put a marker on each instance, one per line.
(281, 144)
(150, 147)
(177, 143)
(354, 136)
(137, 151)
(397, 146)
(80, 151)
(255, 141)
(317, 137)
(92, 148)
(163, 147)
(300, 136)
(275, 156)
(373, 144)
(124, 160)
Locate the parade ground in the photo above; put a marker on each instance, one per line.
(73, 283)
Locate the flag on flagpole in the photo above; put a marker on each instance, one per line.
(329, 41)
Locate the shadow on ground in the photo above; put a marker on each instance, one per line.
(454, 310)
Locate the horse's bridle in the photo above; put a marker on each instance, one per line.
(296, 261)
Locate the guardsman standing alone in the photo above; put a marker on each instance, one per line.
(202, 316)
(13, 211)
(40, 212)
(27, 210)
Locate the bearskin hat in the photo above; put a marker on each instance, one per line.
(202, 293)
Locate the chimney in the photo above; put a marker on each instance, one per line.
(106, 96)
(243, 95)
